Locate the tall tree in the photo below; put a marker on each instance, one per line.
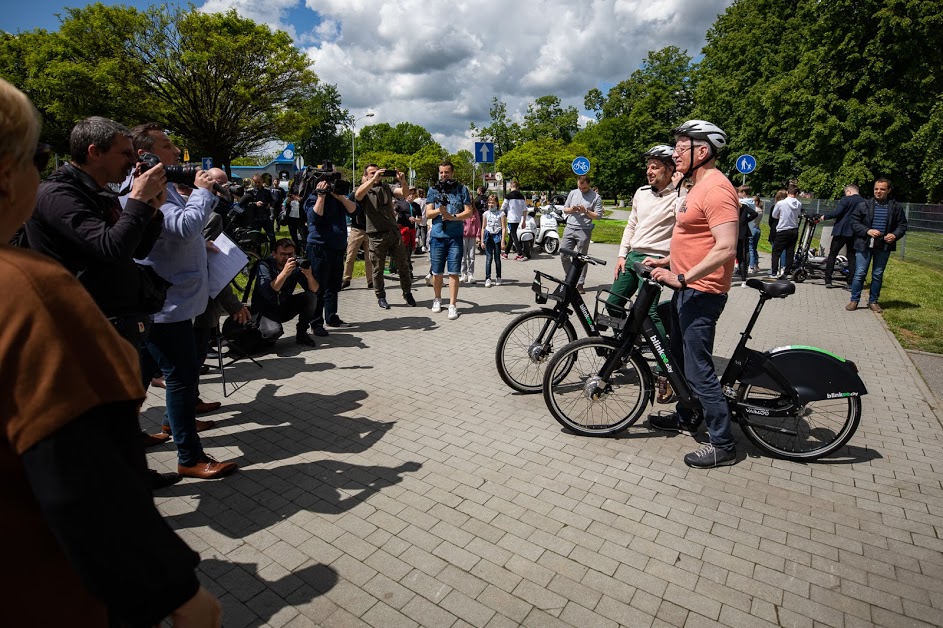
(225, 80)
(540, 164)
(405, 138)
(546, 118)
(316, 126)
(504, 133)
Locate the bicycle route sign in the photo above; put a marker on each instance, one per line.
(580, 165)
(746, 164)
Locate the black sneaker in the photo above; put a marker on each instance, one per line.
(345, 284)
(708, 457)
(319, 331)
(672, 423)
(161, 480)
(409, 299)
(303, 338)
(382, 303)
(337, 322)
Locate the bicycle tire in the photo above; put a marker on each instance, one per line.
(519, 369)
(622, 402)
(799, 437)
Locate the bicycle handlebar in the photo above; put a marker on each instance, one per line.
(583, 257)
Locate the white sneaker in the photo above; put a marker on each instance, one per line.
(436, 306)
(470, 280)
(462, 279)
(497, 281)
(429, 279)
(487, 283)
(453, 312)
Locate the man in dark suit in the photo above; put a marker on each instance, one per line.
(877, 224)
(842, 235)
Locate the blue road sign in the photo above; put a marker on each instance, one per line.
(580, 165)
(207, 163)
(484, 152)
(746, 164)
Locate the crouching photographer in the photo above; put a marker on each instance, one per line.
(326, 207)
(274, 297)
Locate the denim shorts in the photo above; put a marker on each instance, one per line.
(442, 249)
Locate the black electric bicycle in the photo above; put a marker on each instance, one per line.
(527, 342)
(793, 402)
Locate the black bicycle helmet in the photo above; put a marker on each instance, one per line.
(704, 131)
(661, 152)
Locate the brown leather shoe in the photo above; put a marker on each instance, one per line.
(200, 426)
(158, 382)
(202, 407)
(852, 306)
(153, 440)
(874, 307)
(207, 468)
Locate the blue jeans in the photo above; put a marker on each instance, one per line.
(694, 317)
(754, 240)
(492, 252)
(173, 346)
(327, 266)
(442, 250)
(862, 259)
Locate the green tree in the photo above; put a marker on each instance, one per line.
(464, 163)
(316, 126)
(425, 162)
(405, 138)
(225, 81)
(545, 118)
(504, 133)
(81, 70)
(540, 164)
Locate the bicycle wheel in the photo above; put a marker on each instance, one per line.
(583, 404)
(526, 345)
(816, 429)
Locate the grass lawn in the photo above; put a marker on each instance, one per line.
(912, 294)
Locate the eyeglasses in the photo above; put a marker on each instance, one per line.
(41, 156)
(680, 150)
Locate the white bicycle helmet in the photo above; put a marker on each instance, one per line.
(661, 152)
(704, 131)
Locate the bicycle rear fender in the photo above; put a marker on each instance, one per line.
(814, 373)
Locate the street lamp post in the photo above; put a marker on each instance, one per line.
(353, 151)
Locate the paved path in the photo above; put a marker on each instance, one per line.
(389, 478)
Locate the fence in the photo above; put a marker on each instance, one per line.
(923, 243)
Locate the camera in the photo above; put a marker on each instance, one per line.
(184, 175)
(446, 186)
(312, 176)
(389, 172)
(302, 262)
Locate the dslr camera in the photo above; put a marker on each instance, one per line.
(184, 175)
(312, 176)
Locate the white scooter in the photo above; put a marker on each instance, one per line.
(547, 236)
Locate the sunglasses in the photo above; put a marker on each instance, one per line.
(41, 156)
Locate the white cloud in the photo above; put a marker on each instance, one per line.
(438, 64)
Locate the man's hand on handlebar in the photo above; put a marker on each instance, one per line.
(657, 262)
(666, 277)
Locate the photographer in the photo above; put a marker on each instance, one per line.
(327, 211)
(180, 256)
(275, 298)
(448, 205)
(257, 202)
(376, 198)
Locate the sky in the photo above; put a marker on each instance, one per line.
(439, 63)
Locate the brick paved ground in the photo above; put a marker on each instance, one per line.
(389, 478)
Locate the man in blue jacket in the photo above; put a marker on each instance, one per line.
(877, 224)
(842, 235)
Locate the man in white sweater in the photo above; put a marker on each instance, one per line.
(647, 234)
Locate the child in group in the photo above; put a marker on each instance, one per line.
(469, 249)
(494, 226)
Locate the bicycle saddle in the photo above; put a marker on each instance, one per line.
(778, 289)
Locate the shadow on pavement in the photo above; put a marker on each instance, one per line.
(264, 597)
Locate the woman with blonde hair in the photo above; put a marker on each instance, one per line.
(87, 547)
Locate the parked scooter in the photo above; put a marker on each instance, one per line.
(547, 236)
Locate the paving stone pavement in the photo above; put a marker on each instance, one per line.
(389, 478)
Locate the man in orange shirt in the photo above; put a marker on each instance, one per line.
(703, 246)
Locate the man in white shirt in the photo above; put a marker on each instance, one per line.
(787, 213)
(582, 207)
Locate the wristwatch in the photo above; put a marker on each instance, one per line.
(684, 284)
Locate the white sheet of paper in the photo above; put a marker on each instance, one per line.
(225, 265)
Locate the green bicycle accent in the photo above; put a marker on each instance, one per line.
(788, 347)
